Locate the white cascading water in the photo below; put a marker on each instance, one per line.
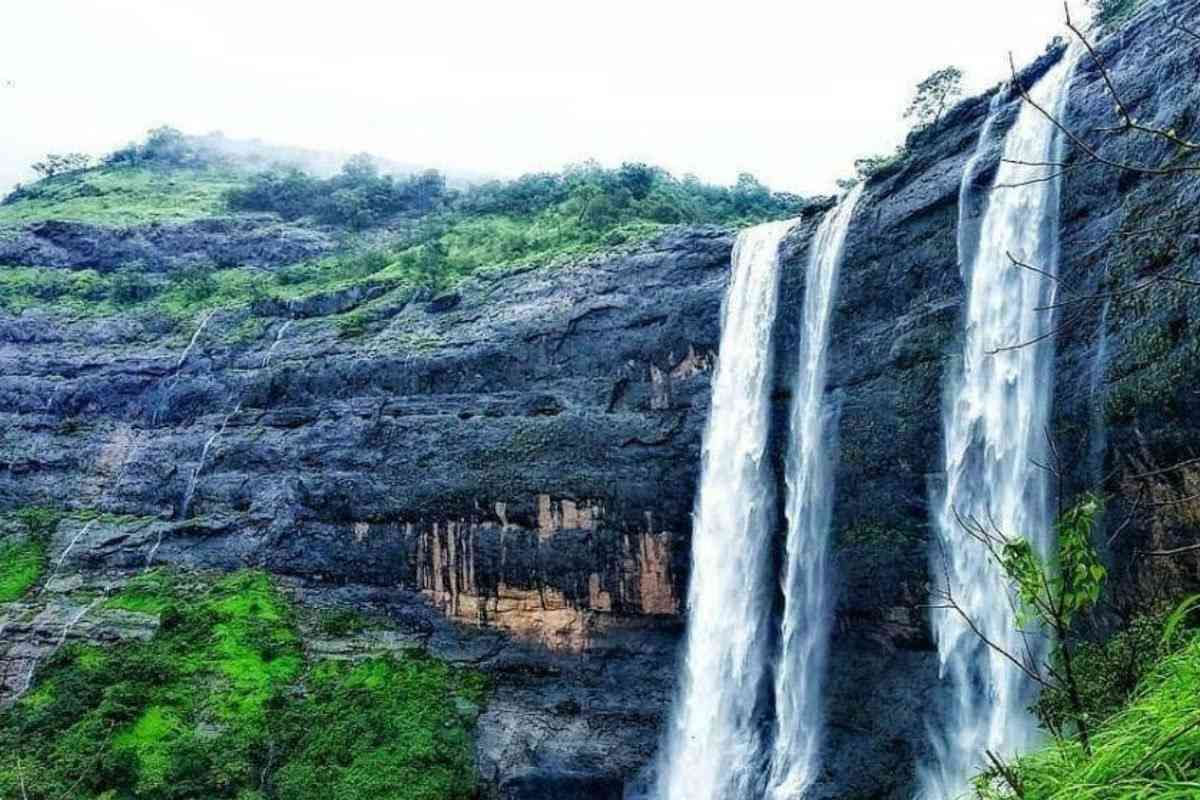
(713, 748)
(994, 429)
(804, 638)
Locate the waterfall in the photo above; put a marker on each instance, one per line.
(803, 641)
(713, 748)
(994, 422)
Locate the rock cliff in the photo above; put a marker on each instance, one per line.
(509, 470)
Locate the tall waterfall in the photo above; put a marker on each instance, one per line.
(713, 748)
(805, 633)
(994, 425)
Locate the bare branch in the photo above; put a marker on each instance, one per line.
(1019, 263)
(952, 605)
(1165, 470)
(1191, 548)
(1129, 123)
(1084, 146)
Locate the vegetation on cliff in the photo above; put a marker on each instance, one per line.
(222, 702)
(1142, 688)
(412, 233)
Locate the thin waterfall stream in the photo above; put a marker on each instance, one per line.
(994, 427)
(714, 748)
(807, 607)
(721, 744)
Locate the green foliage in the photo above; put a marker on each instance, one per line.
(391, 729)
(1149, 749)
(447, 236)
(217, 705)
(933, 95)
(182, 715)
(21, 564)
(122, 195)
(341, 621)
(351, 325)
(60, 164)
(357, 197)
(879, 166)
(38, 521)
(1108, 672)
(1054, 596)
(148, 593)
(130, 286)
(165, 147)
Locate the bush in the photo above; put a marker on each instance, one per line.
(164, 147)
(356, 198)
(880, 165)
(21, 564)
(340, 622)
(1109, 672)
(130, 285)
(196, 284)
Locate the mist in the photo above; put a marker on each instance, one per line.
(792, 95)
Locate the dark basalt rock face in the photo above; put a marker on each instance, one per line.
(509, 470)
(248, 241)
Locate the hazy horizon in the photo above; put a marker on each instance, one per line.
(792, 96)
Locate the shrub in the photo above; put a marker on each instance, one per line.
(340, 622)
(56, 164)
(880, 165)
(130, 285)
(196, 284)
(356, 198)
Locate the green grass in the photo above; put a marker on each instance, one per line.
(148, 593)
(123, 196)
(1150, 749)
(21, 564)
(220, 703)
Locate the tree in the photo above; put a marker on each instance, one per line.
(61, 164)
(934, 94)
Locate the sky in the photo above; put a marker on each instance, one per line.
(791, 92)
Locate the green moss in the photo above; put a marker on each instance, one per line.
(148, 593)
(121, 195)
(21, 564)
(37, 521)
(217, 705)
(341, 622)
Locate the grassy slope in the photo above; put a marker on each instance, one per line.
(124, 196)
(222, 703)
(1150, 750)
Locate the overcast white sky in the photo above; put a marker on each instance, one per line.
(792, 92)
